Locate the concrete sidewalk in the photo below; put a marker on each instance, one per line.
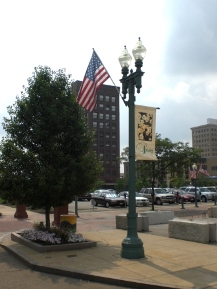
(168, 263)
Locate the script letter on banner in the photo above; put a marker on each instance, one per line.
(145, 120)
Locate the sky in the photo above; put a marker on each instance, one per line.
(180, 65)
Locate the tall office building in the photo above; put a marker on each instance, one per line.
(205, 138)
(104, 119)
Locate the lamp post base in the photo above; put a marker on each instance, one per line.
(132, 248)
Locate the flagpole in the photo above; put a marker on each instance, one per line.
(123, 98)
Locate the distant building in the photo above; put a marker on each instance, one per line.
(205, 138)
(104, 119)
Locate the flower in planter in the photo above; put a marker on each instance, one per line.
(54, 235)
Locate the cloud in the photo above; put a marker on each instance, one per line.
(191, 46)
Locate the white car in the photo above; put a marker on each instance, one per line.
(140, 201)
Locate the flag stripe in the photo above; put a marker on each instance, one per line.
(95, 76)
(203, 171)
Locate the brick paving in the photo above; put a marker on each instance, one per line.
(89, 221)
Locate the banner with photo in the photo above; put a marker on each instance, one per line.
(145, 124)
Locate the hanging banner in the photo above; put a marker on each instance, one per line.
(145, 122)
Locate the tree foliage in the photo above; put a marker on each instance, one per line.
(173, 161)
(122, 184)
(124, 155)
(45, 157)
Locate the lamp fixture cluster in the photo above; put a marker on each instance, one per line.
(139, 52)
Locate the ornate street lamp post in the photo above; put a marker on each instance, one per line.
(132, 245)
(194, 167)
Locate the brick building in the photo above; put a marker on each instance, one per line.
(205, 138)
(104, 119)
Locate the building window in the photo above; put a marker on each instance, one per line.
(101, 106)
(114, 173)
(107, 172)
(101, 124)
(95, 115)
(94, 124)
(107, 154)
(101, 143)
(107, 163)
(107, 125)
(107, 98)
(101, 116)
(107, 107)
(95, 144)
(113, 126)
(114, 135)
(113, 108)
(107, 116)
(113, 99)
(113, 117)
(107, 135)
(101, 133)
(101, 154)
(114, 163)
(107, 144)
(100, 97)
(114, 145)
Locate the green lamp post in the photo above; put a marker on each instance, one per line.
(194, 167)
(132, 245)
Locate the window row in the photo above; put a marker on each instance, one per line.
(214, 168)
(203, 140)
(106, 144)
(106, 98)
(107, 107)
(104, 116)
(106, 125)
(202, 135)
(205, 155)
(109, 173)
(201, 130)
(107, 154)
(103, 134)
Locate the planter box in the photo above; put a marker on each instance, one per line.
(142, 222)
(158, 217)
(48, 248)
(198, 230)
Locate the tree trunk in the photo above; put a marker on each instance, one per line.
(47, 217)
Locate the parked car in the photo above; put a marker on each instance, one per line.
(160, 195)
(140, 201)
(108, 199)
(183, 188)
(213, 190)
(181, 195)
(86, 196)
(203, 194)
(97, 192)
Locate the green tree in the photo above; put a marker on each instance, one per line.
(124, 155)
(121, 184)
(173, 160)
(45, 157)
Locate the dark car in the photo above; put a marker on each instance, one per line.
(108, 199)
(86, 196)
(181, 195)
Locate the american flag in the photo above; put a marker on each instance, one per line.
(192, 173)
(95, 76)
(203, 171)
